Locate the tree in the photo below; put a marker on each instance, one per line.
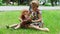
(6, 1)
(54, 2)
(0, 2)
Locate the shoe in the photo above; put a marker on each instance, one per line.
(7, 26)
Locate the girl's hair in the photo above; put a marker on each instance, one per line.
(23, 12)
(34, 2)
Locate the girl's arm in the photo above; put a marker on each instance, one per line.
(40, 17)
(20, 19)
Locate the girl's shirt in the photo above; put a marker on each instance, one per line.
(34, 14)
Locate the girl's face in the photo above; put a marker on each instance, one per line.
(34, 6)
(26, 13)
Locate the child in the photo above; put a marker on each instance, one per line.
(34, 4)
(36, 16)
(25, 21)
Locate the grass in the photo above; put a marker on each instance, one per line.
(51, 20)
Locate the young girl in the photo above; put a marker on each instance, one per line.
(25, 18)
(34, 4)
(36, 16)
(25, 21)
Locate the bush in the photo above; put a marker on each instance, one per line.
(47, 4)
(0, 2)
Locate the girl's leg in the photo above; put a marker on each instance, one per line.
(18, 26)
(14, 26)
(11, 26)
(41, 24)
(37, 27)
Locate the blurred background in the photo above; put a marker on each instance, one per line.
(26, 2)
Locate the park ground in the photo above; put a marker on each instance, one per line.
(51, 20)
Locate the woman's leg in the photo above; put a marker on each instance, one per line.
(37, 27)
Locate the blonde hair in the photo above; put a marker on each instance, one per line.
(35, 2)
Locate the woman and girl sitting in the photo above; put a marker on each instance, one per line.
(30, 18)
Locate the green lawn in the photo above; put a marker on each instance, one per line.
(51, 20)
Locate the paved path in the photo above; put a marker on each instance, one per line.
(27, 7)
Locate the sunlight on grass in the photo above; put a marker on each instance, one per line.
(51, 20)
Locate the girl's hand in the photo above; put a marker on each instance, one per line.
(33, 21)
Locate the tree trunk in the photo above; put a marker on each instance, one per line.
(52, 2)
